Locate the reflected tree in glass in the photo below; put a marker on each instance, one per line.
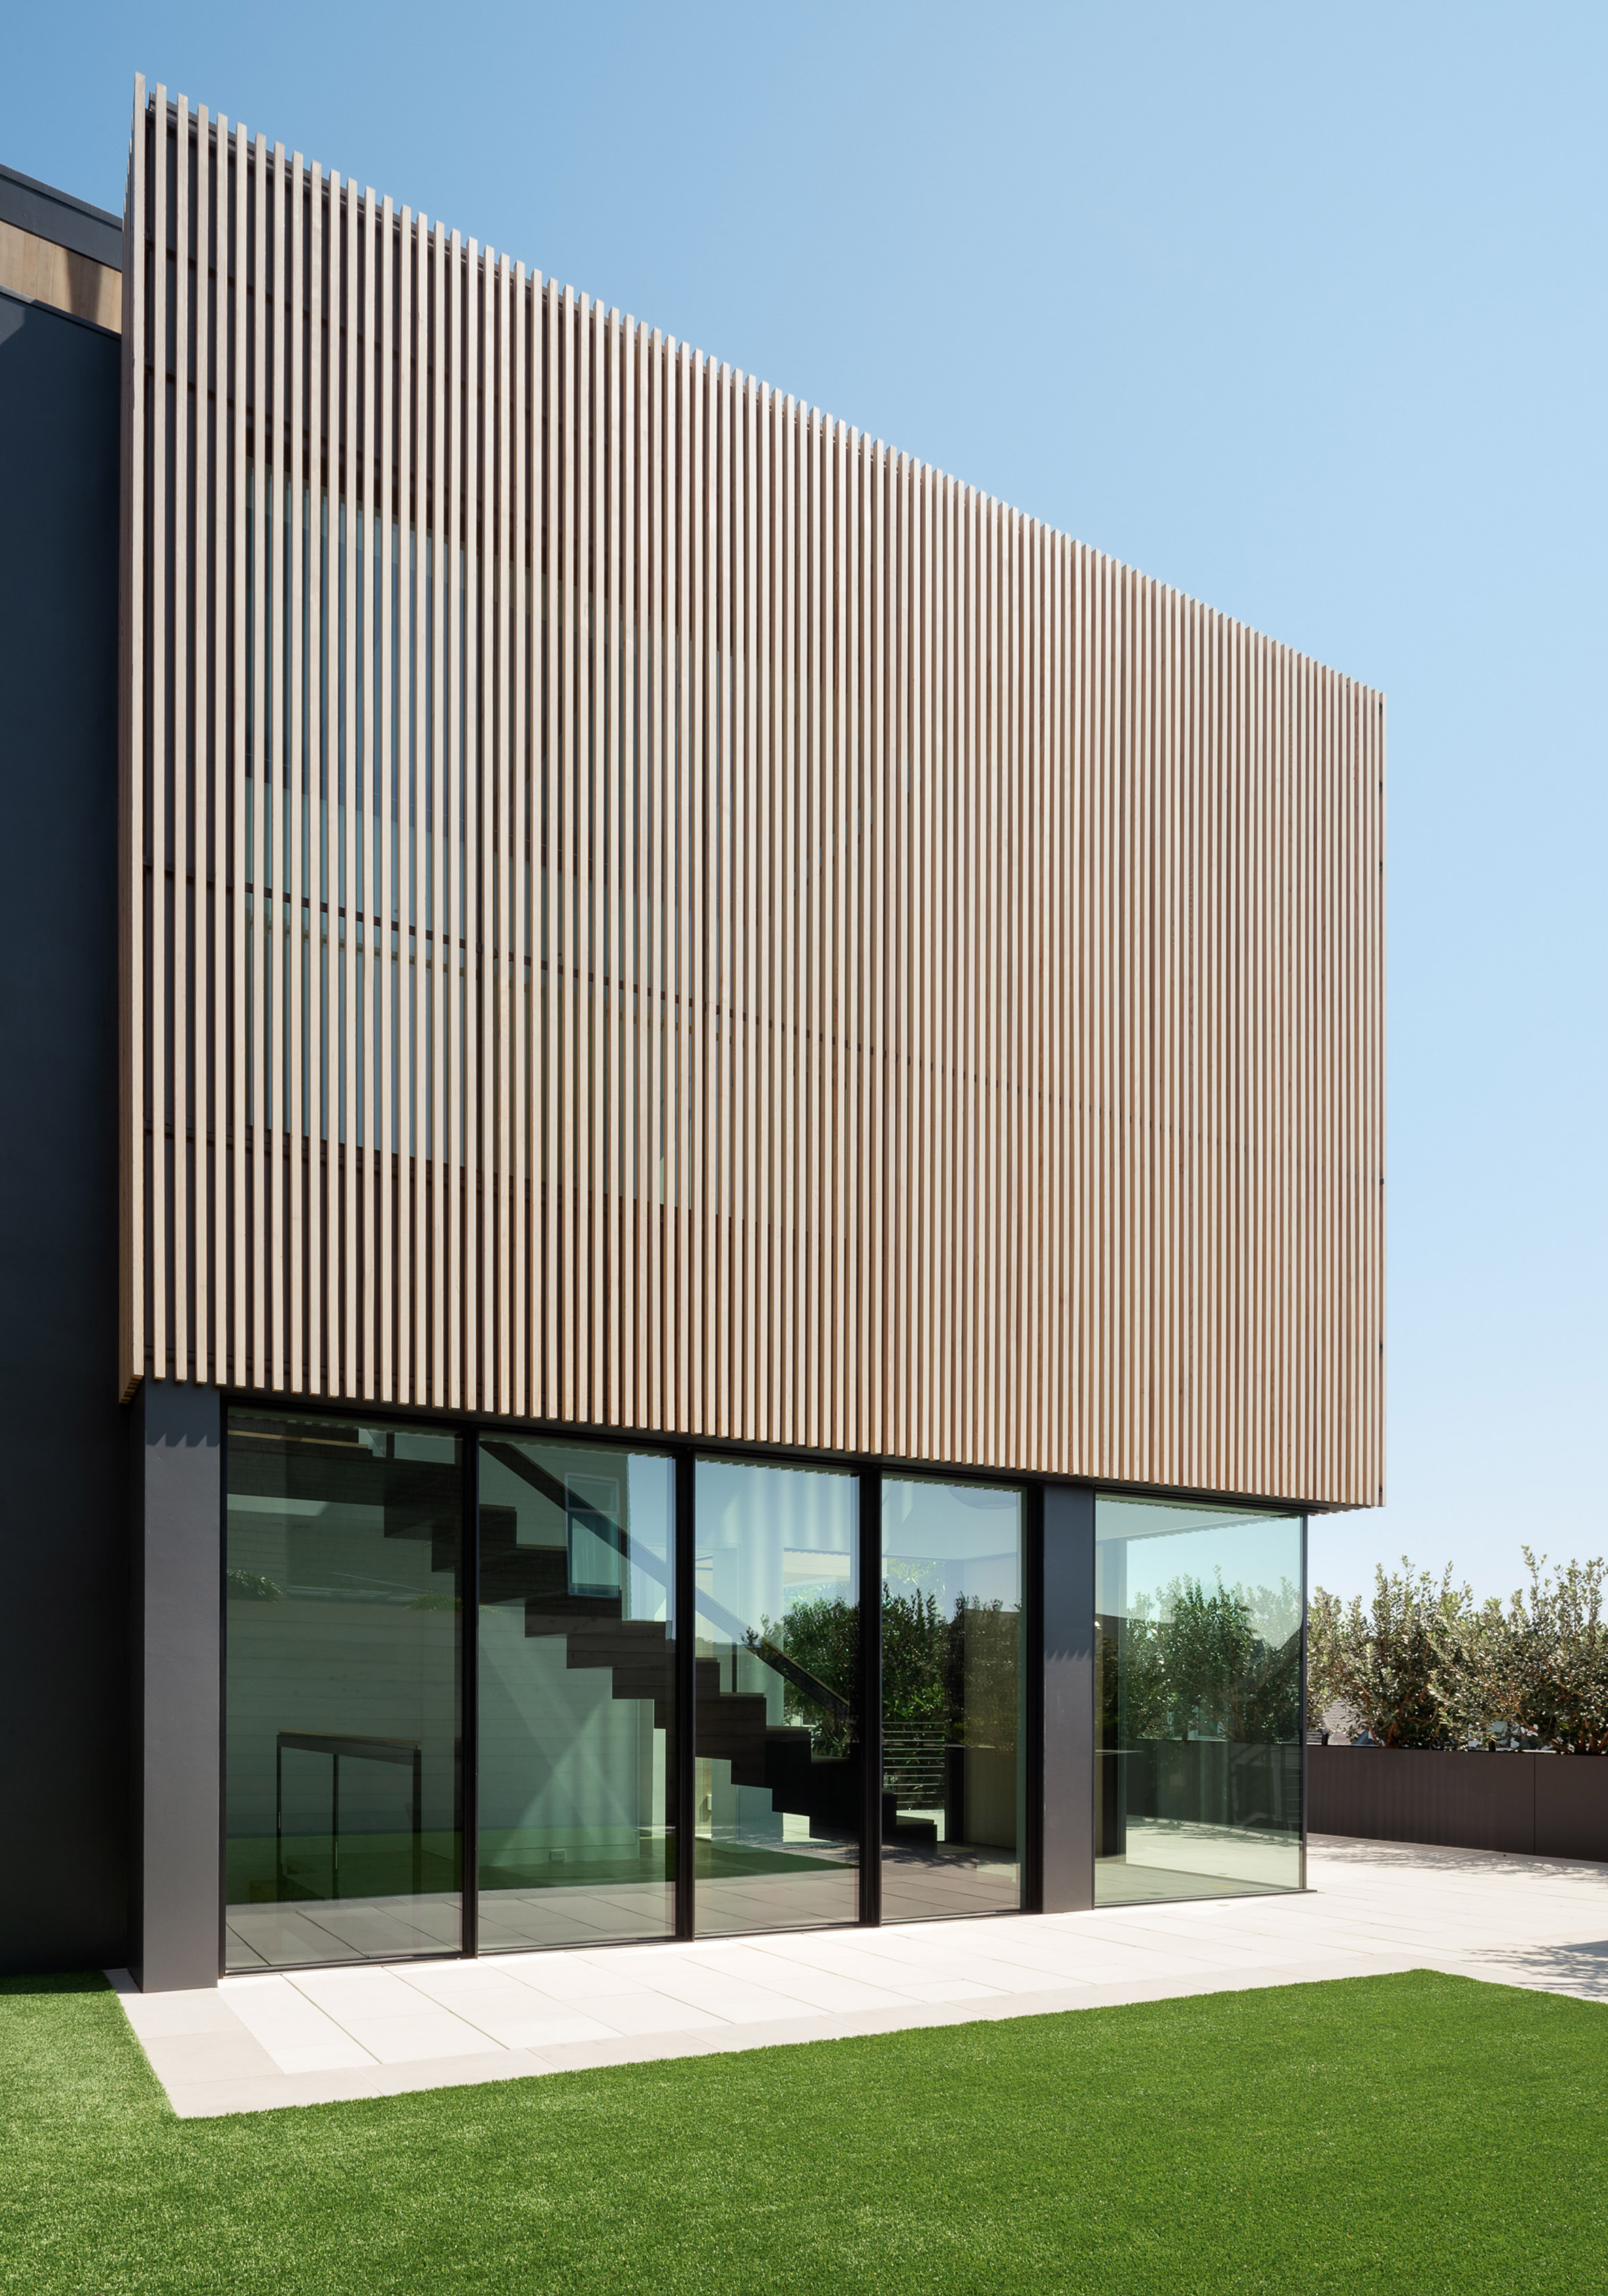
(1198, 1651)
(778, 1752)
(952, 1690)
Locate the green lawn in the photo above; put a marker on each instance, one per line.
(1409, 2134)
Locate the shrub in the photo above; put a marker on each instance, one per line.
(1540, 1667)
(1388, 1663)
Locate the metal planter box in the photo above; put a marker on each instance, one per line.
(1540, 1805)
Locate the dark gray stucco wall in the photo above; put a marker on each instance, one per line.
(63, 1556)
(175, 1910)
(1068, 1699)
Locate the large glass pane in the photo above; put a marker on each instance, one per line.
(577, 1695)
(952, 1690)
(779, 1764)
(344, 1823)
(1198, 1620)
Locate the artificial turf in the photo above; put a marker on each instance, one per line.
(1413, 2134)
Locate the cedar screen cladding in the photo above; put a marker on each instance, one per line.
(644, 906)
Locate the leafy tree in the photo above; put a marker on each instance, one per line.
(1388, 1663)
(1208, 1644)
(1267, 1709)
(1203, 1661)
(957, 1675)
(822, 1635)
(1325, 1616)
(1540, 1667)
(983, 1674)
(915, 1658)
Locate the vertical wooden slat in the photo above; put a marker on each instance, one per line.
(455, 916)
(258, 1369)
(368, 888)
(322, 1259)
(294, 529)
(498, 715)
(351, 786)
(518, 1248)
(442, 966)
(785, 723)
(633, 844)
(239, 799)
(412, 1382)
(614, 900)
(399, 1036)
(155, 892)
(683, 1337)
(135, 746)
(745, 1311)
(276, 935)
(592, 951)
(552, 1394)
(472, 554)
(488, 777)
(718, 837)
(671, 915)
(381, 468)
(207, 1017)
(657, 808)
(175, 1030)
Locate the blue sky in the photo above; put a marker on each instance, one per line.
(1300, 309)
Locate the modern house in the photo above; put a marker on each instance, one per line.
(695, 1144)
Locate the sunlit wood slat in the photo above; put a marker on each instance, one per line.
(765, 942)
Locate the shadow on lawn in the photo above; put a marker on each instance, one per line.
(35, 1986)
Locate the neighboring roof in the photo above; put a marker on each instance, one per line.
(60, 218)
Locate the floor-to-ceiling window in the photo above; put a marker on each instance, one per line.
(778, 1779)
(349, 1803)
(1198, 1620)
(577, 1695)
(953, 1682)
(344, 1821)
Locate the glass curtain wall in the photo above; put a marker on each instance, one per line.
(1198, 1648)
(344, 1794)
(953, 1682)
(343, 1818)
(577, 1695)
(778, 1770)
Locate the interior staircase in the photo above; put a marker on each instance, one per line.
(729, 1726)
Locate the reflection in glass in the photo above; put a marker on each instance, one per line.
(1198, 1619)
(577, 1695)
(343, 1820)
(778, 1771)
(952, 1689)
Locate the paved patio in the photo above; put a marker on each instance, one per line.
(1371, 1907)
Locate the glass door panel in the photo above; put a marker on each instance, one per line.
(577, 1680)
(779, 1764)
(343, 1821)
(1197, 1640)
(952, 1689)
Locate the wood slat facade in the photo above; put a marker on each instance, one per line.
(645, 907)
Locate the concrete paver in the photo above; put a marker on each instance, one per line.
(314, 2036)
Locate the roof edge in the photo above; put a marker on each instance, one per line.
(60, 218)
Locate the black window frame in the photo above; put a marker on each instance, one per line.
(684, 1452)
